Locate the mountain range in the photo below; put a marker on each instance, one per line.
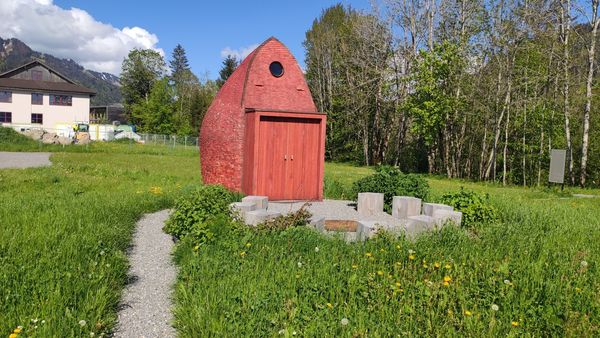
(14, 53)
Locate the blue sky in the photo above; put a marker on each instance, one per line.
(205, 29)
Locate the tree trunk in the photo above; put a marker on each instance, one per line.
(588, 94)
(566, 30)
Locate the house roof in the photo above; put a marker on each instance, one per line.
(69, 86)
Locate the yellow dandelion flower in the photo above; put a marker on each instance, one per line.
(13, 335)
(468, 313)
(243, 253)
(17, 330)
(248, 245)
(447, 266)
(329, 305)
(514, 323)
(398, 247)
(436, 265)
(577, 289)
(447, 279)
(380, 273)
(446, 284)
(354, 266)
(369, 254)
(398, 284)
(411, 257)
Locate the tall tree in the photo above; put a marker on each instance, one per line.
(140, 69)
(594, 22)
(229, 66)
(179, 64)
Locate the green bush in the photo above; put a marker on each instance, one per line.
(474, 207)
(392, 182)
(195, 209)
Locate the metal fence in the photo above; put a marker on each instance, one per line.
(104, 135)
(171, 140)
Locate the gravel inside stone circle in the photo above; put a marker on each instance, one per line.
(145, 309)
(335, 210)
(21, 160)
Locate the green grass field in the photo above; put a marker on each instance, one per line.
(533, 274)
(65, 230)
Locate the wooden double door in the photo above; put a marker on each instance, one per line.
(289, 152)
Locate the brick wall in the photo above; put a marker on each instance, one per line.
(251, 86)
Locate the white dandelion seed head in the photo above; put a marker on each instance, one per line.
(316, 249)
(92, 334)
(411, 251)
(102, 253)
(294, 333)
(506, 281)
(345, 321)
(282, 331)
(82, 323)
(495, 307)
(584, 264)
(299, 264)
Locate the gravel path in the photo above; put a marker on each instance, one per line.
(146, 304)
(335, 209)
(23, 160)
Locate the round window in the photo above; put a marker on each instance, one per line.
(276, 69)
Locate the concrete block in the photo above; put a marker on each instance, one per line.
(430, 208)
(351, 236)
(419, 224)
(443, 216)
(368, 229)
(317, 222)
(255, 217)
(369, 203)
(242, 206)
(404, 206)
(262, 202)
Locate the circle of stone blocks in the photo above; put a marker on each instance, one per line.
(430, 208)
(442, 217)
(405, 206)
(369, 203)
(262, 202)
(256, 217)
(419, 224)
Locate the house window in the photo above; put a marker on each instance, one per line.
(37, 118)
(36, 75)
(37, 98)
(5, 117)
(5, 96)
(61, 100)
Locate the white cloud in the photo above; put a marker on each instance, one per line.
(71, 33)
(240, 53)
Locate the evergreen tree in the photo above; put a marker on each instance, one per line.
(229, 65)
(179, 64)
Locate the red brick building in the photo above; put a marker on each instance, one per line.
(262, 134)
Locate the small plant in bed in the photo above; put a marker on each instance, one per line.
(392, 182)
(476, 208)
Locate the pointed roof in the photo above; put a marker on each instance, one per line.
(68, 86)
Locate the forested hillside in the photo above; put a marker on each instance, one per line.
(472, 89)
